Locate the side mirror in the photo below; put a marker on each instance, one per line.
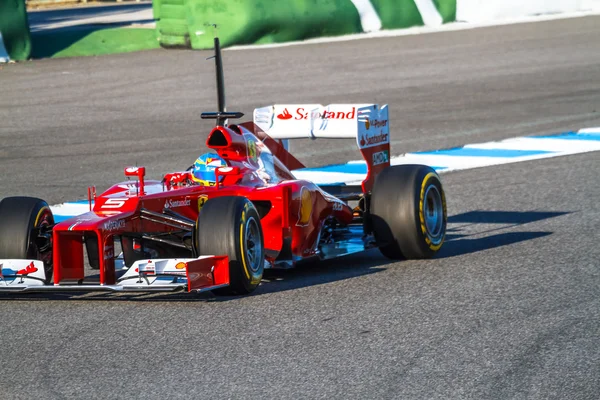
(225, 171)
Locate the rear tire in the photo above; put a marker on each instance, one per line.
(230, 226)
(20, 218)
(408, 212)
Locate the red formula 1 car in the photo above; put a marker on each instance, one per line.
(176, 234)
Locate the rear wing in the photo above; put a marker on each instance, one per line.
(368, 124)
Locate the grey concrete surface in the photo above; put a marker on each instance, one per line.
(509, 310)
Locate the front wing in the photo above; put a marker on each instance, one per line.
(155, 275)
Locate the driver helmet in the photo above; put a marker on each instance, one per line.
(203, 170)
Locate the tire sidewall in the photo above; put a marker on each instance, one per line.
(424, 180)
(26, 214)
(398, 212)
(247, 216)
(221, 229)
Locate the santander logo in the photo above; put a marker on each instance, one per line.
(29, 270)
(285, 114)
(302, 114)
(367, 141)
(170, 203)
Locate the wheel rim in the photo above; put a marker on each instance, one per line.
(252, 245)
(433, 211)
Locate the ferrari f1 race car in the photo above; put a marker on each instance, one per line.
(220, 235)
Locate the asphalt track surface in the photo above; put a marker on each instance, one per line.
(509, 309)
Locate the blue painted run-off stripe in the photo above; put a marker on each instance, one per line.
(351, 168)
(80, 202)
(571, 136)
(473, 152)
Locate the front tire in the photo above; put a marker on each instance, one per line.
(408, 212)
(22, 231)
(230, 226)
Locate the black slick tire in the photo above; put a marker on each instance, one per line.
(408, 212)
(20, 221)
(230, 225)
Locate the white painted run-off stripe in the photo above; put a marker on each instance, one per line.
(590, 130)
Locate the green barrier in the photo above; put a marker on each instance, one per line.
(396, 14)
(171, 22)
(252, 21)
(186, 23)
(447, 9)
(15, 29)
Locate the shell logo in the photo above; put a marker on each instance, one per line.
(180, 265)
(306, 206)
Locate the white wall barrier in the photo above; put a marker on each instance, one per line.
(497, 10)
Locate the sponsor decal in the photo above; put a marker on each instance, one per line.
(252, 149)
(285, 114)
(381, 157)
(114, 225)
(30, 269)
(201, 200)
(368, 141)
(215, 162)
(337, 206)
(170, 203)
(306, 206)
(179, 269)
(302, 114)
(375, 123)
(77, 222)
(149, 269)
(114, 203)
(109, 252)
